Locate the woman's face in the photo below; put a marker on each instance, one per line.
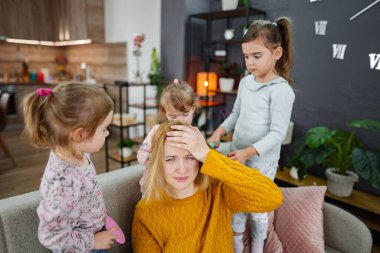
(180, 171)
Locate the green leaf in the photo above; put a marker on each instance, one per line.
(368, 124)
(318, 136)
(367, 164)
(301, 173)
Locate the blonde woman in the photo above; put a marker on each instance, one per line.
(192, 192)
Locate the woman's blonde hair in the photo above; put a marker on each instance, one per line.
(180, 96)
(156, 185)
(50, 119)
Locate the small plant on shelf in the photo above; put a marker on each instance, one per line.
(125, 147)
(228, 74)
(230, 70)
(302, 158)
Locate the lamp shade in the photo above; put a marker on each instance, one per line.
(206, 83)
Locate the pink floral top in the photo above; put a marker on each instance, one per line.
(72, 208)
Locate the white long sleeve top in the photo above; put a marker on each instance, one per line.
(260, 117)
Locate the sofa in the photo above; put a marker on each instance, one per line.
(343, 232)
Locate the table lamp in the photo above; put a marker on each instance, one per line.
(206, 83)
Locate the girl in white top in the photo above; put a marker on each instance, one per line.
(177, 102)
(72, 121)
(261, 112)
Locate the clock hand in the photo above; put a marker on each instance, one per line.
(366, 8)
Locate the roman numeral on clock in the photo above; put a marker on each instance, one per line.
(320, 27)
(374, 61)
(338, 51)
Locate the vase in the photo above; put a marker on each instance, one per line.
(340, 185)
(138, 76)
(125, 152)
(229, 4)
(226, 84)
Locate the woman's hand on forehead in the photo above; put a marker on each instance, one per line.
(189, 138)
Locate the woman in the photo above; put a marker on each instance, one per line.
(188, 207)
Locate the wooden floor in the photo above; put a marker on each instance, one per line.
(30, 164)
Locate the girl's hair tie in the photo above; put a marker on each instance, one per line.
(43, 92)
(176, 81)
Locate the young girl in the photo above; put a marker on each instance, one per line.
(261, 113)
(192, 192)
(177, 102)
(72, 121)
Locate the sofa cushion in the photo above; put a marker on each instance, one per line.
(297, 225)
(298, 222)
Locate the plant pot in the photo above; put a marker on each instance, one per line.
(229, 4)
(293, 173)
(125, 152)
(226, 84)
(340, 185)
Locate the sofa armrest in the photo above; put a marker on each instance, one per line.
(344, 232)
(120, 191)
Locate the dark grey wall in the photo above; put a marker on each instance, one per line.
(173, 34)
(329, 91)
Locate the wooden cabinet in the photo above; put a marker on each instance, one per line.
(57, 20)
(26, 19)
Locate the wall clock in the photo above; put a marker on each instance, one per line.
(339, 50)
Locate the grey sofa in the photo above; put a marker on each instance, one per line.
(19, 221)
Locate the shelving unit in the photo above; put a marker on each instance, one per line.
(208, 42)
(123, 107)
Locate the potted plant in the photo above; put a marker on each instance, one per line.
(125, 147)
(344, 152)
(228, 73)
(155, 73)
(302, 158)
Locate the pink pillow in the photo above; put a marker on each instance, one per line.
(297, 226)
(299, 221)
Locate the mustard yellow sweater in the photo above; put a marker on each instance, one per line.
(202, 222)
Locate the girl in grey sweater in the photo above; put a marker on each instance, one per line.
(261, 113)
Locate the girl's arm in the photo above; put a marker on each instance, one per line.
(142, 239)
(58, 228)
(282, 99)
(244, 189)
(144, 152)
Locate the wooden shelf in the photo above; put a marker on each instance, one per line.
(118, 158)
(141, 106)
(367, 205)
(233, 92)
(126, 124)
(241, 12)
(138, 139)
(209, 103)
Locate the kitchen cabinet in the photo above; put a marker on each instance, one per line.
(57, 20)
(29, 20)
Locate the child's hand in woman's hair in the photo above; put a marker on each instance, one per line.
(189, 138)
(105, 239)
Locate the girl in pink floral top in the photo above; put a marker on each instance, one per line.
(177, 102)
(72, 121)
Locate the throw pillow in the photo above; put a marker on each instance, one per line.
(299, 221)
